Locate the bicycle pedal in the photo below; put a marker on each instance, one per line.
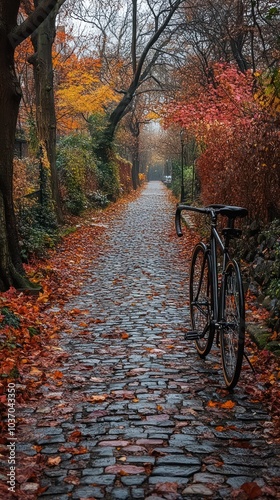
(192, 335)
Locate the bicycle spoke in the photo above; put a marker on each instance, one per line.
(200, 299)
(233, 325)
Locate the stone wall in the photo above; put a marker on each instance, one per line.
(261, 250)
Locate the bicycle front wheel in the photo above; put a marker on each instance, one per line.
(232, 335)
(201, 299)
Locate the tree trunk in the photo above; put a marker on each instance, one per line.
(135, 159)
(45, 105)
(139, 74)
(104, 147)
(11, 267)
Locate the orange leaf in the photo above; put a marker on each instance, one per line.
(54, 461)
(217, 404)
(43, 297)
(274, 336)
(98, 398)
(35, 371)
(37, 448)
(75, 435)
(252, 489)
(228, 404)
(213, 404)
(79, 451)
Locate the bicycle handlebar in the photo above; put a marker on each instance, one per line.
(212, 210)
(180, 208)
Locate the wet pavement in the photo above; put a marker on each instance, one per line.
(146, 418)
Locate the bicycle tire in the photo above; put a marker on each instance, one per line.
(201, 299)
(232, 337)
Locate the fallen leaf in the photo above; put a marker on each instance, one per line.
(35, 371)
(97, 398)
(54, 461)
(252, 490)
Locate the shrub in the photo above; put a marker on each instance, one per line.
(98, 199)
(38, 229)
(242, 167)
(124, 169)
(78, 171)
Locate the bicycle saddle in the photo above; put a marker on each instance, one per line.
(229, 211)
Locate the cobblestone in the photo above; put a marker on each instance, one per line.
(138, 412)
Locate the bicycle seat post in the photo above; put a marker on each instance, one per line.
(228, 231)
(213, 218)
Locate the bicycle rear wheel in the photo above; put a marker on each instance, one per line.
(201, 299)
(232, 335)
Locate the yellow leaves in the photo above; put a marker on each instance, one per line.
(43, 297)
(268, 93)
(152, 115)
(80, 90)
(85, 98)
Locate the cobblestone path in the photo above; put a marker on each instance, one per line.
(144, 409)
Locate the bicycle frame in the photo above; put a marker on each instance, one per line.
(222, 311)
(217, 242)
(214, 243)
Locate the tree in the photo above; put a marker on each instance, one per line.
(137, 42)
(11, 35)
(80, 92)
(42, 62)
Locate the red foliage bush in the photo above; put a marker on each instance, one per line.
(241, 166)
(239, 139)
(124, 168)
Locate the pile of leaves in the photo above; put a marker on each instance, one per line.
(29, 323)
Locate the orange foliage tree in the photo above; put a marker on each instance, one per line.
(79, 89)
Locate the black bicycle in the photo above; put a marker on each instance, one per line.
(216, 295)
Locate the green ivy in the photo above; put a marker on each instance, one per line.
(9, 318)
(38, 229)
(77, 171)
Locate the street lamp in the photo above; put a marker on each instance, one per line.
(182, 137)
(193, 179)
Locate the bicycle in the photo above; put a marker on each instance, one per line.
(217, 299)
